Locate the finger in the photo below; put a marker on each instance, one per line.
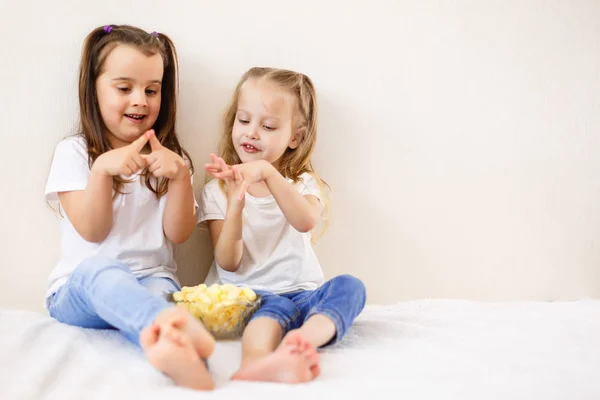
(211, 167)
(224, 175)
(154, 167)
(150, 158)
(126, 170)
(131, 165)
(243, 189)
(237, 176)
(140, 142)
(154, 143)
(159, 171)
(222, 164)
(213, 174)
(139, 161)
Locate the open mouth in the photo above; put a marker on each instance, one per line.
(248, 148)
(135, 117)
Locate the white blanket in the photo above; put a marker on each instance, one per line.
(440, 349)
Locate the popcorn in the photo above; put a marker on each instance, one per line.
(224, 309)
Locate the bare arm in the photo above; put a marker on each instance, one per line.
(227, 239)
(179, 218)
(90, 210)
(302, 212)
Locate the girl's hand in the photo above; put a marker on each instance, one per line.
(163, 162)
(236, 185)
(251, 172)
(125, 160)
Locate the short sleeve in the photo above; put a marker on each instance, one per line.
(69, 170)
(213, 203)
(309, 185)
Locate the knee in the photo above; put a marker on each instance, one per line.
(90, 268)
(352, 285)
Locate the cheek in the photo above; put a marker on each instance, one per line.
(155, 104)
(236, 133)
(110, 103)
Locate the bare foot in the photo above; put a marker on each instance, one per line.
(179, 318)
(172, 352)
(294, 337)
(292, 362)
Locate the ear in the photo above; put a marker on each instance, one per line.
(296, 138)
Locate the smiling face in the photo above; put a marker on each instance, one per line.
(129, 93)
(263, 127)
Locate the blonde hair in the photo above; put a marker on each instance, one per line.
(294, 162)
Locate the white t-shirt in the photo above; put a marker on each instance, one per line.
(136, 237)
(276, 257)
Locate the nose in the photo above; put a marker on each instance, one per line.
(252, 132)
(140, 99)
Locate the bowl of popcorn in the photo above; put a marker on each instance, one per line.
(224, 309)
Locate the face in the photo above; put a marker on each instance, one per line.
(263, 126)
(129, 93)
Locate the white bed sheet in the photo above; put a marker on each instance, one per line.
(429, 349)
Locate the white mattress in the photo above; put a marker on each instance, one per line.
(440, 349)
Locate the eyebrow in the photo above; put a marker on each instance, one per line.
(131, 80)
(268, 116)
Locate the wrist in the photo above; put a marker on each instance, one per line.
(183, 175)
(268, 170)
(98, 168)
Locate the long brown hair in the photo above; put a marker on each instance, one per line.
(97, 46)
(294, 162)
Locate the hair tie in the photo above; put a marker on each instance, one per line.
(108, 29)
(155, 34)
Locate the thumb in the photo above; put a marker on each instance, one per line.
(154, 143)
(140, 142)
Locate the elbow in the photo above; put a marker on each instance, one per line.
(307, 225)
(179, 234)
(227, 265)
(178, 237)
(94, 235)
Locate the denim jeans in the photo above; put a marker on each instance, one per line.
(341, 299)
(103, 294)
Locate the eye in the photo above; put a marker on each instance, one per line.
(124, 89)
(269, 128)
(243, 121)
(151, 92)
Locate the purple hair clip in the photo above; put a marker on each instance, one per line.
(155, 34)
(108, 29)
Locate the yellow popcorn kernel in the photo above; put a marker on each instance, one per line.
(178, 296)
(249, 293)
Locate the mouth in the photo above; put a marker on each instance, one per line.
(248, 148)
(135, 117)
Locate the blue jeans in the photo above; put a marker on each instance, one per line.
(103, 294)
(341, 299)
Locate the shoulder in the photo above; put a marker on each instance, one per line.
(306, 180)
(211, 185)
(72, 145)
(213, 189)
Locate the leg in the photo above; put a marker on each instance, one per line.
(330, 310)
(179, 317)
(103, 293)
(159, 286)
(103, 289)
(264, 356)
(261, 337)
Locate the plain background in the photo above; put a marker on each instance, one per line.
(460, 138)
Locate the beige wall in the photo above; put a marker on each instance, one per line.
(461, 138)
